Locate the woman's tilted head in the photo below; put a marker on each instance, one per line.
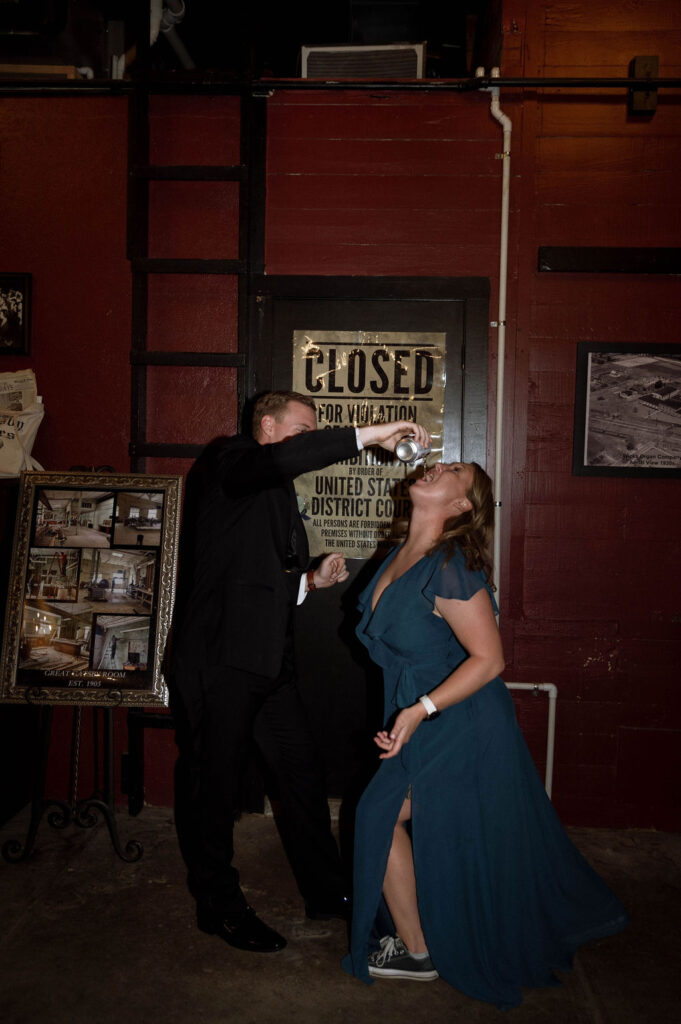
(465, 491)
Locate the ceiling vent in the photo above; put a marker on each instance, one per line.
(396, 60)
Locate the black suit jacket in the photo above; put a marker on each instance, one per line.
(241, 530)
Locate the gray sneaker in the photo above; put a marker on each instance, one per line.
(393, 960)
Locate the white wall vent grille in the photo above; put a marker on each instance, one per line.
(395, 60)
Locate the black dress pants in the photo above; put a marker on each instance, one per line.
(225, 711)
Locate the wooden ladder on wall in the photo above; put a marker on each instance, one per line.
(250, 174)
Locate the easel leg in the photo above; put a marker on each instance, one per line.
(12, 850)
(83, 815)
(80, 812)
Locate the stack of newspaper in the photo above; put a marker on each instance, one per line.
(21, 413)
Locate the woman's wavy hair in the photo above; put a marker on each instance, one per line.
(471, 532)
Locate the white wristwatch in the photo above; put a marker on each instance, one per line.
(431, 710)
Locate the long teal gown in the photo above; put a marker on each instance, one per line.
(504, 896)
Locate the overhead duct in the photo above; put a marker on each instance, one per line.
(164, 16)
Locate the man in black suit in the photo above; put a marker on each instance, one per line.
(243, 569)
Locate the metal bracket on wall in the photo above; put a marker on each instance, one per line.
(642, 99)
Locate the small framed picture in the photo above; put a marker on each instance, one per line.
(91, 589)
(627, 410)
(15, 314)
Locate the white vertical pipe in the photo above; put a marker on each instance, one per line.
(505, 156)
(552, 691)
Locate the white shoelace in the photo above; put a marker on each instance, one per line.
(391, 946)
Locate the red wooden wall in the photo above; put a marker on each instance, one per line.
(406, 183)
(382, 183)
(589, 562)
(62, 196)
(62, 202)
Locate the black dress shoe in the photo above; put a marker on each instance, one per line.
(244, 932)
(338, 906)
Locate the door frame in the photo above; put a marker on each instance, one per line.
(469, 296)
(343, 699)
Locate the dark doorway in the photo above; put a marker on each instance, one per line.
(341, 689)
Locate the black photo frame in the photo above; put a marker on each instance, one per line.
(91, 589)
(15, 314)
(627, 410)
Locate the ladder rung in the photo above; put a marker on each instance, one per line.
(188, 172)
(143, 265)
(144, 358)
(169, 451)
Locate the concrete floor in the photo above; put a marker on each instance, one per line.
(85, 937)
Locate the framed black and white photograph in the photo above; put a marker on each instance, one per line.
(15, 314)
(627, 410)
(89, 603)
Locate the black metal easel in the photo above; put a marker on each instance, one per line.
(82, 813)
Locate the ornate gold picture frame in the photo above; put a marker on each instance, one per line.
(91, 589)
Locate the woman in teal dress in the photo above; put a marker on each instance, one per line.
(455, 831)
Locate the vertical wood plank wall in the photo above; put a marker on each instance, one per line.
(402, 183)
(590, 561)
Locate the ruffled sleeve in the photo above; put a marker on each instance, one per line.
(454, 580)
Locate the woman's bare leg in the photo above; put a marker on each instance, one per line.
(399, 886)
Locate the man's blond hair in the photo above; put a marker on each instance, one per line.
(275, 403)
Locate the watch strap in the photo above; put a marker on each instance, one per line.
(431, 709)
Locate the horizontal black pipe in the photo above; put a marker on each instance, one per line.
(158, 450)
(89, 87)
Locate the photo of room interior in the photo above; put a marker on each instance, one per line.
(55, 636)
(75, 519)
(139, 518)
(52, 573)
(121, 643)
(124, 579)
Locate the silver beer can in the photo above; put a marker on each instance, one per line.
(410, 451)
